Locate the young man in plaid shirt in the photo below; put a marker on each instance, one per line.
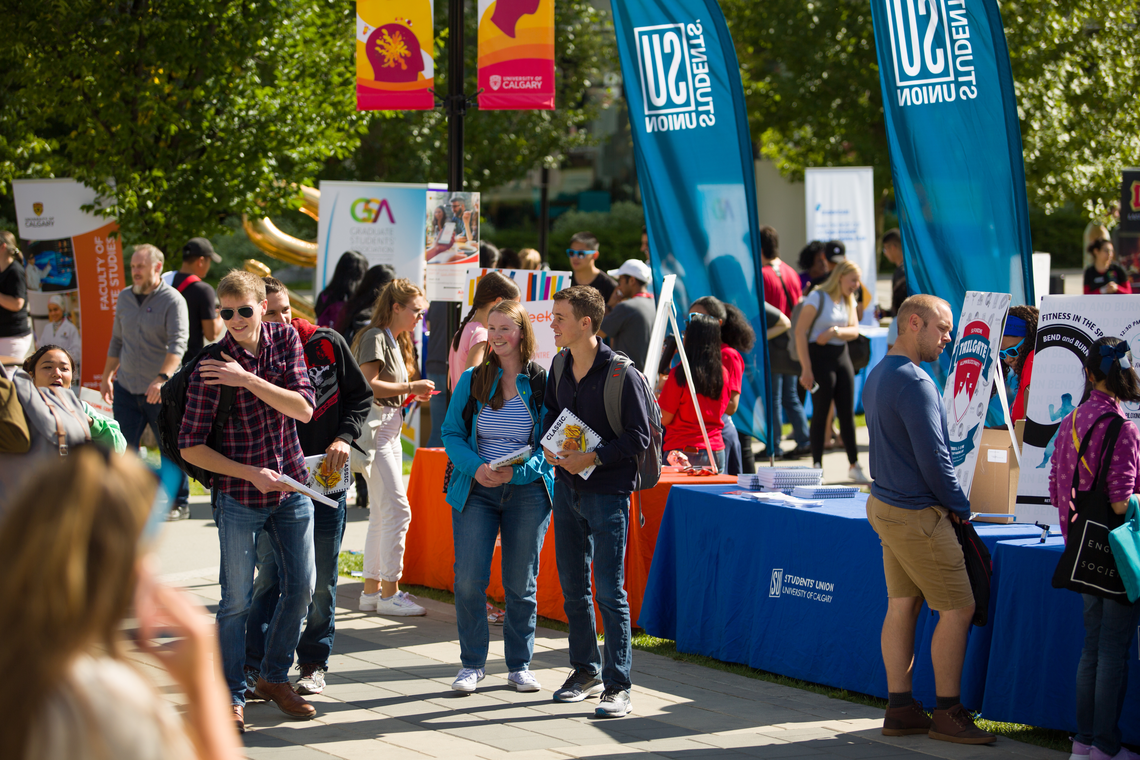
(265, 363)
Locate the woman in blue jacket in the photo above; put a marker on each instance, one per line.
(495, 412)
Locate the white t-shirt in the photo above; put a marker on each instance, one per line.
(831, 314)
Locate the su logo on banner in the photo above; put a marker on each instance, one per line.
(676, 89)
(931, 50)
(367, 210)
(774, 587)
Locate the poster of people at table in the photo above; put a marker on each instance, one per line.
(972, 369)
(537, 289)
(73, 262)
(451, 243)
(1066, 330)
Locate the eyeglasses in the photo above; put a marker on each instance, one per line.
(228, 314)
(1011, 353)
(578, 254)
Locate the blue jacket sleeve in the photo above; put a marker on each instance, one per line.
(635, 401)
(931, 444)
(455, 436)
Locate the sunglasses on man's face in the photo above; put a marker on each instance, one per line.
(228, 314)
(577, 254)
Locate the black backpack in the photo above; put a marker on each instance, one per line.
(648, 461)
(978, 568)
(174, 405)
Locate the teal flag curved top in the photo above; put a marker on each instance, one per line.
(695, 168)
(955, 147)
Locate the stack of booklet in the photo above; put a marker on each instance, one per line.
(825, 492)
(780, 478)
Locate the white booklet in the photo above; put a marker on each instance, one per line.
(327, 483)
(570, 433)
(518, 456)
(302, 488)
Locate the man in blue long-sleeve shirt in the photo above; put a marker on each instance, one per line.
(914, 498)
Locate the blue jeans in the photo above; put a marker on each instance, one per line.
(438, 406)
(1102, 675)
(784, 388)
(590, 529)
(731, 460)
(521, 514)
(133, 414)
(289, 526)
(316, 642)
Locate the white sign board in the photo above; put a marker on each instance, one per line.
(450, 242)
(382, 220)
(973, 366)
(537, 289)
(840, 205)
(1066, 330)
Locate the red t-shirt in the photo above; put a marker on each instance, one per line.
(775, 285)
(684, 430)
(733, 364)
(1017, 411)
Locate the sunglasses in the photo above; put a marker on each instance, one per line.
(577, 254)
(1011, 353)
(228, 314)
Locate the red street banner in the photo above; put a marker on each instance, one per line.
(394, 68)
(516, 54)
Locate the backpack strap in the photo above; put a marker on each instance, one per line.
(80, 418)
(226, 396)
(1110, 438)
(190, 280)
(611, 394)
(60, 431)
(556, 368)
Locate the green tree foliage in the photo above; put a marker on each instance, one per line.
(812, 86)
(499, 146)
(179, 113)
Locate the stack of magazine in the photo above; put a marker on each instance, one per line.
(780, 478)
(825, 492)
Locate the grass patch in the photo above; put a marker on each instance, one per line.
(1042, 737)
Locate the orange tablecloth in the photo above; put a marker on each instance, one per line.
(429, 559)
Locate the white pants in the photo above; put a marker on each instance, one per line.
(389, 513)
(17, 348)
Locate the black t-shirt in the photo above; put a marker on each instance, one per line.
(604, 284)
(898, 288)
(200, 299)
(14, 324)
(1095, 280)
(438, 340)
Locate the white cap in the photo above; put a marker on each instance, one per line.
(638, 270)
(59, 301)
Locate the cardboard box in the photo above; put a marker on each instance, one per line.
(994, 490)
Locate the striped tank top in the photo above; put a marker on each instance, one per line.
(499, 432)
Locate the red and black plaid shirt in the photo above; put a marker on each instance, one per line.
(255, 434)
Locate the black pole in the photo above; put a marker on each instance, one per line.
(543, 211)
(456, 101)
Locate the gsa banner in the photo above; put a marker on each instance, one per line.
(516, 54)
(955, 148)
(695, 167)
(394, 68)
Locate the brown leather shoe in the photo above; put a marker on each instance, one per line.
(287, 700)
(904, 721)
(956, 725)
(239, 718)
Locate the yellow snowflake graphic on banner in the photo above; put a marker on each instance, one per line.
(393, 49)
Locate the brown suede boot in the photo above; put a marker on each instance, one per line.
(904, 721)
(956, 725)
(287, 700)
(239, 718)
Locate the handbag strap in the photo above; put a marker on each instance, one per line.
(1109, 442)
(787, 293)
(60, 433)
(81, 419)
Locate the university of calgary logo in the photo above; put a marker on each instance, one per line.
(38, 208)
(496, 81)
(972, 363)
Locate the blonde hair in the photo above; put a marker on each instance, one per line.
(9, 240)
(484, 376)
(153, 253)
(239, 284)
(399, 291)
(70, 544)
(831, 286)
(529, 259)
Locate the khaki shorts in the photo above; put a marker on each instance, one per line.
(921, 555)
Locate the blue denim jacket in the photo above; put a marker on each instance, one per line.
(463, 450)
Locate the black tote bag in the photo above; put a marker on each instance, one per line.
(1087, 565)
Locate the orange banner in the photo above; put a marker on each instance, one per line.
(101, 275)
(394, 45)
(516, 54)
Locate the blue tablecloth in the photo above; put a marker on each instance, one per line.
(1035, 651)
(799, 592)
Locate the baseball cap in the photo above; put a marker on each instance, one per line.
(638, 270)
(198, 247)
(835, 251)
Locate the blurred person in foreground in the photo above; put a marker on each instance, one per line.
(83, 698)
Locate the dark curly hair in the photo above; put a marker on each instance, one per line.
(1029, 314)
(735, 332)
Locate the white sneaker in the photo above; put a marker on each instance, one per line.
(368, 601)
(401, 604)
(817, 465)
(855, 473)
(466, 680)
(524, 680)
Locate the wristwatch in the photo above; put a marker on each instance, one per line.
(165, 377)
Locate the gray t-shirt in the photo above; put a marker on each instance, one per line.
(628, 327)
(831, 314)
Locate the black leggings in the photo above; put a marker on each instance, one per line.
(832, 368)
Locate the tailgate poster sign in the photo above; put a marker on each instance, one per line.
(972, 367)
